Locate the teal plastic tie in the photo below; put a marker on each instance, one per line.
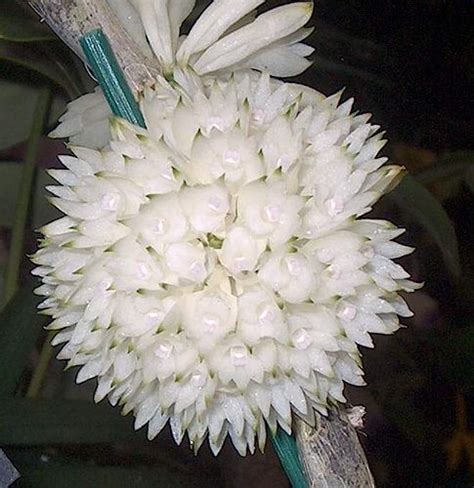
(110, 77)
(285, 447)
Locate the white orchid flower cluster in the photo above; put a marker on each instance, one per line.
(212, 270)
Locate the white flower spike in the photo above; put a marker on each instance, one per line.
(213, 270)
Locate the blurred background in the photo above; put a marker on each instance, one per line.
(411, 64)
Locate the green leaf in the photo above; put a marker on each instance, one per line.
(59, 469)
(442, 172)
(17, 108)
(16, 25)
(42, 421)
(450, 171)
(20, 326)
(418, 202)
(43, 211)
(27, 426)
(54, 64)
(107, 476)
(10, 176)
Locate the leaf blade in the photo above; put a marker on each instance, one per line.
(59, 469)
(43, 421)
(43, 212)
(16, 25)
(79, 476)
(20, 325)
(418, 202)
(52, 64)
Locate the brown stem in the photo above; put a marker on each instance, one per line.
(332, 454)
(70, 19)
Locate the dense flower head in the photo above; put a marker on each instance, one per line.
(212, 270)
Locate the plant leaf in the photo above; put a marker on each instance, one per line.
(17, 108)
(80, 476)
(55, 64)
(59, 469)
(20, 326)
(451, 165)
(26, 421)
(418, 202)
(28, 425)
(41, 422)
(10, 176)
(16, 25)
(43, 211)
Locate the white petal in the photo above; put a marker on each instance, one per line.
(154, 15)
(146, 411)
(130, 19)
(156, 424)
(279, 61)
(264, 30)
(283, 58)
(89, 370)
(241, 250)
(212, 23)
(178, 10)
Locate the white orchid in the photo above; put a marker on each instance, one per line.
(212, 270)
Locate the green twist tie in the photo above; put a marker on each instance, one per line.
(285, 447)
(110, 77)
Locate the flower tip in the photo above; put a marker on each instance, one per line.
(399, 173)
(55, 133)
(309, 7)
(98, 398)
(150, 435)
